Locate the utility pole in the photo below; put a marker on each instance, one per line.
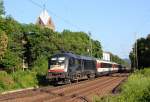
(135, 53)
(90, 43)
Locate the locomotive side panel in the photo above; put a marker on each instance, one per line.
(90, 68)
(75, 68)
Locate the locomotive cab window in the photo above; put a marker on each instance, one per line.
(56, 61)
(71, 62)
(53, 61)
(61, 60)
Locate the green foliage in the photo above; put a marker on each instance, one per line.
(136, 89)
(97, 49)
(44, 42)
(41, 66)
(71, 41)
(17, 80)
(11, 61)
(143, 53)
(118, 60)
(29, 42)
(38, 43)
(6, 81)
(1, 8)
(35, 45)
(3, 43)
(24, 79)
(79, 43)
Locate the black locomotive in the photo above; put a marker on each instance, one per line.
(70, 67)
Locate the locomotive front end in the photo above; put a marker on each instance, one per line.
(57, 70)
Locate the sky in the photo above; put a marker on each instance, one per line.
(112, 22)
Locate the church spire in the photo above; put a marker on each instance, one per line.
(45, 20)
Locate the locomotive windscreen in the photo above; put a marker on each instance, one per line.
(57, 63)
(57, 60)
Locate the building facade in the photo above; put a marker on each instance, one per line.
(106, 56)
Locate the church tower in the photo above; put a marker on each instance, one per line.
(45, 20)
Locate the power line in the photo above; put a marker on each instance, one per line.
(66, 21)
(33, 2)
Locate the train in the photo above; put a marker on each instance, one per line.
(68, 67)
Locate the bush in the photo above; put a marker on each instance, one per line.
(24, 79)
(41, 65)
(41, 68)
(11, 61)
(6, 81)
(136, 89)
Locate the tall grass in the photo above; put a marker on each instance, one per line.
(17, 80)
(136, 89)
(24, 79)
(6, 81)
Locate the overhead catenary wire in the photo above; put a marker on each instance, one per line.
(36, 4)
(63, 19)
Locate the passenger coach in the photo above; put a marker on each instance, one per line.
(106, 67)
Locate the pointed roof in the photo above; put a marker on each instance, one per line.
(45, 20)
(44, 16)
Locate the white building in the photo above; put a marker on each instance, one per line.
(106, 56)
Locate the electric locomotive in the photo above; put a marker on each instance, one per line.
(68, 67)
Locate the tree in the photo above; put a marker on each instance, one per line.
(117, 59)
(39, 42)
(1, 8)
(97, 50)
(11, 61)
(80, 43)
(12, 58)
(3, 43)
(28, 42)
(143, 53)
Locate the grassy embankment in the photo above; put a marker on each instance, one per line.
(136, 89)
(24, 79)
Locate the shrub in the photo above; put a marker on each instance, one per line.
(41, 65)
(24, 79)
(11, 61)
(6, 82)
(136, 89)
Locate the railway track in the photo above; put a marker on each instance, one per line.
(77, 92)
